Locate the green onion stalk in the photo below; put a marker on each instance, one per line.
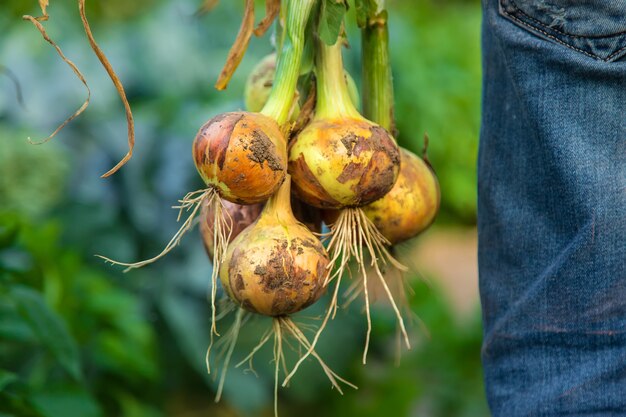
(377, 94)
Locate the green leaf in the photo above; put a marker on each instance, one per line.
(9, 227)
(49, 328)
(331, 18)
(15, 405)
(6, 379)
(66, 401)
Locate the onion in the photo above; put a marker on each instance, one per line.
(242, 155)
(259, 83)
(276, 266)
(340, 159)
(341, 163)
(411, 205)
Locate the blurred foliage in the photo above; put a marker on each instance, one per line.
(79, 338)
(73, 343)
(436, 55)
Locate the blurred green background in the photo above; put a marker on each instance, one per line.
(81, 339)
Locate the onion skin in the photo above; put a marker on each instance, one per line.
(242, 155)
(347, 162)
(241, 216)
(276, 266)
(411, 205)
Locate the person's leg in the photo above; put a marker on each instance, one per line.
(552, 207)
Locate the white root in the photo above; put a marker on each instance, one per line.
(266, 337)
(229, 341)
(222, 230)
(221, 342)
(377, 243)
(282, 327)
(278, 355)
(192, 201)
(329, 313)
(348, 236)
(302, 340)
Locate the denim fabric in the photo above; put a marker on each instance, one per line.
(596, 28)
(552, 207)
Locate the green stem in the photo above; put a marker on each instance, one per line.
(377, 78)
(279, 205)
(281, 97)
(333, 98)
(279, 28)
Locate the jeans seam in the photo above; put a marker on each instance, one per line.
(608, 58)
(541, 24)
(554, 38)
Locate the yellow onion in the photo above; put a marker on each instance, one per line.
(340, 159)
(411, 205)
(343, 163)
(242, 155)
(276, 266)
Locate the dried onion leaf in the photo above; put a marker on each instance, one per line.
(235, 55)
(118, 86)
(40, 28)
(43, 4)
(272, 8)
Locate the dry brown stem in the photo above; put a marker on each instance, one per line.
(36, 21)
(118, 86)
(272, 8)
(237, 51)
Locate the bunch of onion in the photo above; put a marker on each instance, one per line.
(242, 156)
(343, 161)
(275, 266)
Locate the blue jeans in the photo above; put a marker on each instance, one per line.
(552, 207)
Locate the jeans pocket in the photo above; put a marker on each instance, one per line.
(595, 28)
